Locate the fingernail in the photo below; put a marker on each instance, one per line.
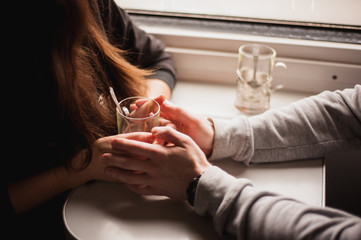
(166, 102)
(104, 158)
(154, 130)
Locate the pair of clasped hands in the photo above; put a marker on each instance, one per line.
(147, 167)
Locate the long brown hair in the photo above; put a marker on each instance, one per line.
(84, 65)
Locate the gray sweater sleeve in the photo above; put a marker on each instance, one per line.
(247, 213)
(309, 128)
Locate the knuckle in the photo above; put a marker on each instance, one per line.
(124, 163)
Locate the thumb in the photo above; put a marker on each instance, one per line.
(175, 113)
(171, 135)
(138, 136)
(160, 99)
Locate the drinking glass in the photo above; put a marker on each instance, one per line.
(254, 76)
(137, 114)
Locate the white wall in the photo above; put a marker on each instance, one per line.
(344, 12)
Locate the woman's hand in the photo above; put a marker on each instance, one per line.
(143, 107)
(197, 127)
(95, 170)
(157, 169)
(33, 191)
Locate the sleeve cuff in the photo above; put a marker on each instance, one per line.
(165, 76)
(233, 139)
(210, 197)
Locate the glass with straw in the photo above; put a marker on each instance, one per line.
(136, 114)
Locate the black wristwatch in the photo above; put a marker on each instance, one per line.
(191, 189)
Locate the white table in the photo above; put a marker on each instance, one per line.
(109, 211)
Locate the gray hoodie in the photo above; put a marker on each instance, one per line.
(309, 128)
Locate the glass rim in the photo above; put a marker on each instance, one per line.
(242, 51)
(138, 119)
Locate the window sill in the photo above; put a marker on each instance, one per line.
(209, 53)
(217, 100)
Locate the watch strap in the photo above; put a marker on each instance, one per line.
(191, 189)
